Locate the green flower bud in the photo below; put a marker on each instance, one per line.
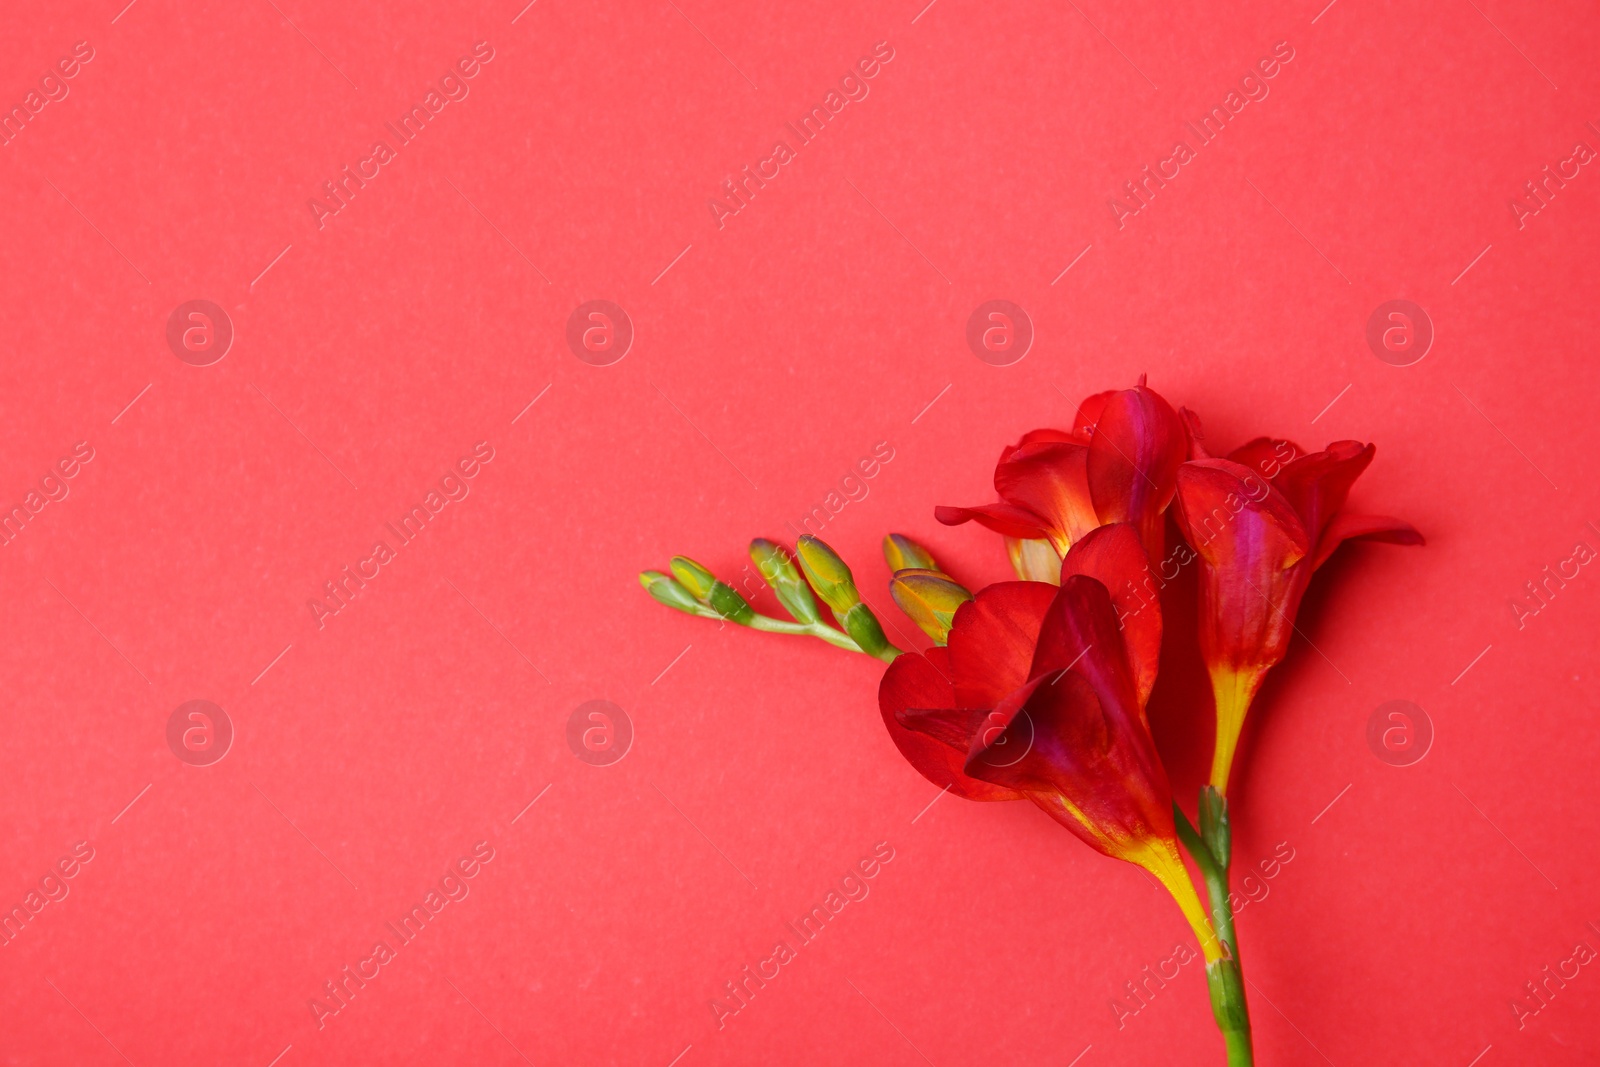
(903, 554)
(828, 575)
(930, 599)
(669, 592)
(725, 601)
(779, 571)
(694, 577)
(862, 626)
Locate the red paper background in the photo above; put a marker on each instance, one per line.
(821, 319)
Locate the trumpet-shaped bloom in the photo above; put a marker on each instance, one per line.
(1262, 521)
(1118, 463)
(1039, 696)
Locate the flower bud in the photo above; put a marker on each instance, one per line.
(773, 562)
(669, 591)
(902, 554)
(862, 626)
(726, 601)
(1034, 561)
(694, 577)
(930, 599)
(828, 575)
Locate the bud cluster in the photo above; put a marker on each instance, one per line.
(815, 572)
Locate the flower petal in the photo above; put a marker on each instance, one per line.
(1317, 484)
(1034, 560)
(918, 708)
(1348, 526)
(1075, 729)
(1049, 479)
(1047, 436)
(1081, 634)
(1089, 412)
(1267, 456)
(1114, 556)
(1249, 538)
(991, 641)
(1041, 738)
(1132, 466)
(1001, 518)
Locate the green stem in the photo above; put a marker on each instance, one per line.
(1224, 977)
(815, 629)
(1225, 981)
(1238, 1041)
(818, 629)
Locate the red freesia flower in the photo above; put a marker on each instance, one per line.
(1119, 463)
(1039, 696)
(1262, 521)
